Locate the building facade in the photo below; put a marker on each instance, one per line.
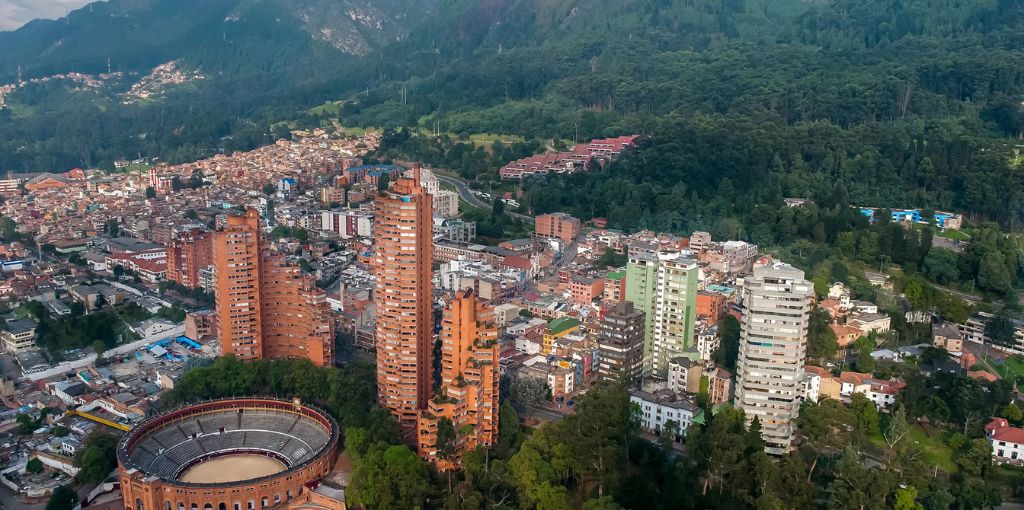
(404, 336)
(675, 310)
(446, 203)
(468, 396)
(265, 307)
(557, 225)
(641, 283)
(1007, 442)
(620, 342)
(773, 347)
(188, 253)
(19, 335)
(710, 306)
(614, 287)
(663, 411)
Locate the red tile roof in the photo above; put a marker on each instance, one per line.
(1000, 430)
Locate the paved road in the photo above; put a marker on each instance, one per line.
(475, 201)
(544, 414)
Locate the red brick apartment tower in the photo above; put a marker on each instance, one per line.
(469, 381)
(296, 318)
(236, 255)
(267, 308)
(187, 253)
(402, 257)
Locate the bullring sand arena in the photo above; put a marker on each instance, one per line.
(232, 468)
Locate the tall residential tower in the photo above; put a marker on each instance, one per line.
(664, 287)
(188, 253)
(641, 284)
(468, 396)
(773, 346)
(265, 307)
(675, 310)
(620, 342)
(402, 256)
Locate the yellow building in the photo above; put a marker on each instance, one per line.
(557, 329)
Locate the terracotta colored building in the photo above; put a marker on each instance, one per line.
(402, 263)
(187, 254)
(265, 307)
(614, 287)
(469, 381)
(559, 225)
(584, 289)
(710, 305)
(200, 324)
(846, 338)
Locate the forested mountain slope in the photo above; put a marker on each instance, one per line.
(217, 35)
(890, 76)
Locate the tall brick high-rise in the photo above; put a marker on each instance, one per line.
(468, 396)
(266, 308)
(188, 253)
(404, 340)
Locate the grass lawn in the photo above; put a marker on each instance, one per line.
(132, 314)
(953, 235)
(329, 107)
(20, 111)
(489, 138)
(465, 207)
(934, 450)
(1012, 368)
(137, 167)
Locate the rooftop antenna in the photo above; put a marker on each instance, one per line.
(19, 72)
(108, 65)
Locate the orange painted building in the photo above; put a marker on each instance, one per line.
(558, 225)
(468, 395)
(614, 287)
(584, 289)
(265, 307)
(402, 264)
(187, 254)
(201, 324)
(710, 305)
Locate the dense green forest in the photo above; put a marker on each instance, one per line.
(858, 74)
(882, 103)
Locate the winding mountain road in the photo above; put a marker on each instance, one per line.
(475, 201)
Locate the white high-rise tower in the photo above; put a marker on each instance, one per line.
(773, 347)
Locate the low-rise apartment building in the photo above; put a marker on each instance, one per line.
(19, 335)
(660, 408)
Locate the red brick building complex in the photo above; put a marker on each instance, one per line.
(265, 307)
(163, 462)
(710, 305)
(402, 263)
(557, 225)
(187, 254)
(468, 397)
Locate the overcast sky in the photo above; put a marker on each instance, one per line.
(15, 13)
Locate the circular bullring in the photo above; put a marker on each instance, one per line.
(230, 454)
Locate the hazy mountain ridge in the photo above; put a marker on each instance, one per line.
(137, 35)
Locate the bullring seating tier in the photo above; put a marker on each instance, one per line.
(288, 437)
